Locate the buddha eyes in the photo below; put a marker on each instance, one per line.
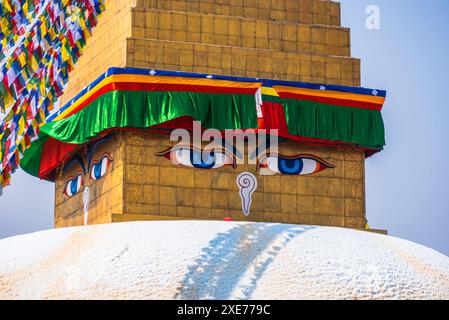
(187, 156)
(97, 171)
(74, 185)
(99, 168)
(297, 165)
(200, 159)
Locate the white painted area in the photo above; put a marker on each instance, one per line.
(247, 184)
(218, 260)
(309, 166)
(86, 200)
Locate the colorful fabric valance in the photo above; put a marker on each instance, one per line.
(138, 98)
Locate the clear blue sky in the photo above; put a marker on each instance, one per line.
(407, 184)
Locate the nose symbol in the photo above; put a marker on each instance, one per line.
(247, 184)
(86, 199)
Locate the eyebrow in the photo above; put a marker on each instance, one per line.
(259, 148)
(230, 146)
(224, 143)
(94, 147)
(76, 160)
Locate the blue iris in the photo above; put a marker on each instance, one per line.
(97, 170)
(202, 160)
(74, 186)
(290, 166)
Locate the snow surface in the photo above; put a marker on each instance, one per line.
(218, 260)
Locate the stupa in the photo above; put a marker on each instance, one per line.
(278, 71)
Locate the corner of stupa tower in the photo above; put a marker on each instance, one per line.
(300, 40)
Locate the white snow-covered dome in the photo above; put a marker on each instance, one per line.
(218, 260)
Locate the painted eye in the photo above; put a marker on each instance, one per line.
(297, 165)
(200, 159)
(99, 168)
(73, 186)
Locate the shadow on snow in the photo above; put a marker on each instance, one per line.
(245, 250)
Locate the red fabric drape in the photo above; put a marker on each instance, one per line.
(53, 153)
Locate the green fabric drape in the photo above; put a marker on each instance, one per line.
(30, 163)
(142, 109)
(362, 127)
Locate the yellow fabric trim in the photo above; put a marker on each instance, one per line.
(331, 94)
(123, 78)
(184, 80)
(267, 91)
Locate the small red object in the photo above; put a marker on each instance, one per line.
(227, 219)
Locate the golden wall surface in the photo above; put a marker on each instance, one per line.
(141, 183)
(299, 40)
(106, 48)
